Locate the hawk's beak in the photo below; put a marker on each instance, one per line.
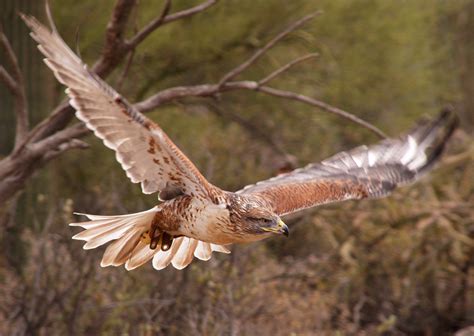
(280, 228)
(283, 228)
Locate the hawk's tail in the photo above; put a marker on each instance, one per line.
(130, 246)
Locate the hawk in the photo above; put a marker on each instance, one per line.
(194, 217)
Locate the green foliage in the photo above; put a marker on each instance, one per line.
(401, 265)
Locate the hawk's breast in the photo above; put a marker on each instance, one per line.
(206, 221)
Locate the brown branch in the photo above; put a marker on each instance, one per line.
(16, 86)
(207, 90)
(115, 47)
(286, 67)
(239, 69)
(140, 36)
(11, 58)
(164, 18)
(8, 80)
(328, 108)
(174, 93)
(57, 139)
(71, 144)
(58, 119)
(125, 70)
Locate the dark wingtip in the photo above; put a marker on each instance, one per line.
(449, 120)
(445, 125)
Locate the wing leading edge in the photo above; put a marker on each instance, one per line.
(363, 172)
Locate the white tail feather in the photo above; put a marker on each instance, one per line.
(118, 252)
(220, 248)
(127, 247)
(185, 254)
(203, 251)
(163, 258)
(140, 255)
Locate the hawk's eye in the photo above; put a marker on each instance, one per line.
(264, 220)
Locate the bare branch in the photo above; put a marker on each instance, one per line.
(207, 90)
(126, 70)
(174, 93)
(8, 80)
(164, 18)
(311, 101)
(72, 144)
(236, 71)
(59, 118)
(58, 139)
(16, 86)
(115, 47)
(11, 58)
(286, 67)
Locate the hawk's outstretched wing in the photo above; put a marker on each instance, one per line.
(145, 152)
(363, 172)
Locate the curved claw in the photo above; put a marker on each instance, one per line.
(155, 238)
(166, 242)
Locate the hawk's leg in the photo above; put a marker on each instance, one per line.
(155, 237)
(155, 233)
(158, 237)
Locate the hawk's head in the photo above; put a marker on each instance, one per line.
(254, 216)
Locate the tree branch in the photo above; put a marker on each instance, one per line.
(57, 139)
(164, 18)
(286, 67)
(71, 144)
(115, 47)
(207, 90)
(8, 80)
(16, 86)
(125, 71)
(239, 69)
(328, 108)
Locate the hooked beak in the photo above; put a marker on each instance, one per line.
(280, 228)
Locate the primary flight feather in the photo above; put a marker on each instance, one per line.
(195, 217)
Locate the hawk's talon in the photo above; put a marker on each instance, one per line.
(155, 238)
(167, 240)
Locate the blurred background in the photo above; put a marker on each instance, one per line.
(398, 266)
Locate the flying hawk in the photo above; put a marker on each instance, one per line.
(195, 217)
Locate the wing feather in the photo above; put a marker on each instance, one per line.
(360, 173)
(145, 152)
